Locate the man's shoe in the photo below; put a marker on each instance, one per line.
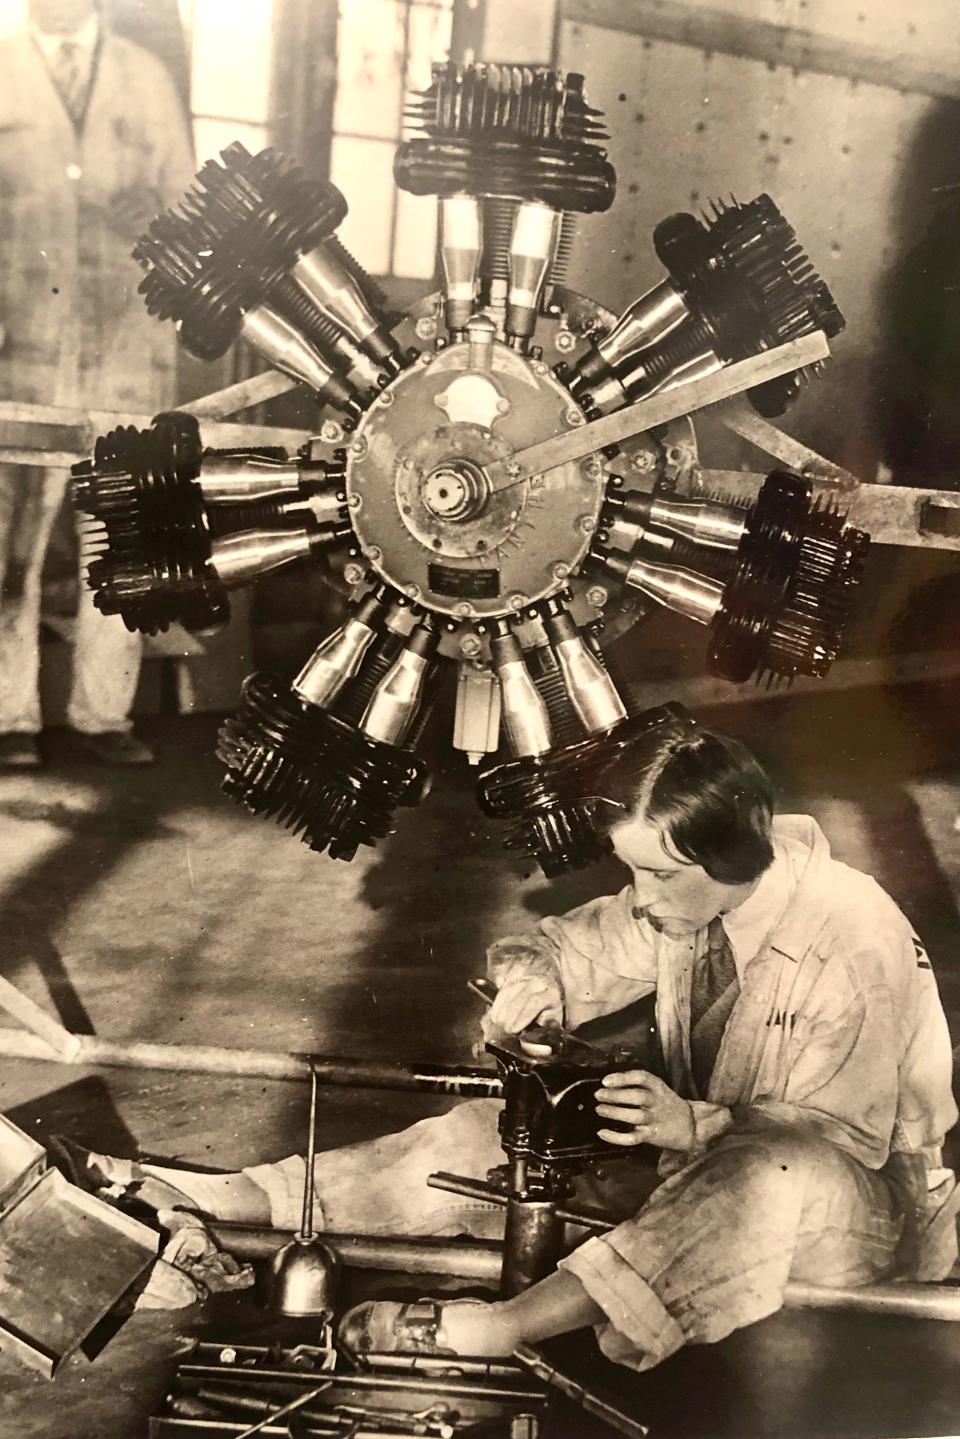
(19, 751)
(118, 747)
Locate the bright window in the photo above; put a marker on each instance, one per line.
(385, 48)
(231, 56)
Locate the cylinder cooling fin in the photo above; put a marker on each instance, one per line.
(456, 562)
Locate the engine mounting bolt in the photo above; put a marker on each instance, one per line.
(353, 573)
(375, 554)
(560, 570)
(426, 328)
(597, 596)
(471, 647)
(586, 524)
(386, 399)
(331, 432)
(503, 406)
(564, 339)
(517, 601)
(573, 417)
(540, 368)
(427, 357)
(359, 448)
(513, 470)
(463, 611)
(643, 461)
(354, 502)
(590, 469)
(413, 591)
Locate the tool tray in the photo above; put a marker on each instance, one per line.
(472, 1393)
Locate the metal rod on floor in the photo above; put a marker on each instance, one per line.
(588, 1399)
(477, 1259)
(464, 1081)
(913, 1301)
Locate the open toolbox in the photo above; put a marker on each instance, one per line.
(224, 1390)
(66, 1257)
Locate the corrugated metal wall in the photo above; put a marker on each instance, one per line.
(852, 165)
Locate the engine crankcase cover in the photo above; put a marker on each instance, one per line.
(422, 507)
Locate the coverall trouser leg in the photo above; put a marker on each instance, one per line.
(714, 1246)
(710, 1250)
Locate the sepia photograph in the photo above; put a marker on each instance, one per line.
(479, 744)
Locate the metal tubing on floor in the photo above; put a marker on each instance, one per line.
(909, 1300)
(480, 1260)
(476, 1259)
(342, 1072)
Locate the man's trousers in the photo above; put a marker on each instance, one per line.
(106, 656)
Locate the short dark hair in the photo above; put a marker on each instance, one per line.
(709, 795)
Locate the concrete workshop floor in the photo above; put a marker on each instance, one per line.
(143, 905)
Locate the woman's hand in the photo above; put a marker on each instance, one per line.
(526, 1000)
(655, 1113)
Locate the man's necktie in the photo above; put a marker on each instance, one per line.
(714, 988)
(70, 78)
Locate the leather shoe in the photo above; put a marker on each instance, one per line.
(117, 747)
(387, 1327)
(19, 751)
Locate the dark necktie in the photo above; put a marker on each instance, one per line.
(69, 76)
(714, 988)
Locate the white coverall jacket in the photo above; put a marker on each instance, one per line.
(74, 330)
(838, 1028)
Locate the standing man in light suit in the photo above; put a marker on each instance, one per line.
(94, 142)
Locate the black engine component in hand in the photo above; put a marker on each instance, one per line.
(549, 1110)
